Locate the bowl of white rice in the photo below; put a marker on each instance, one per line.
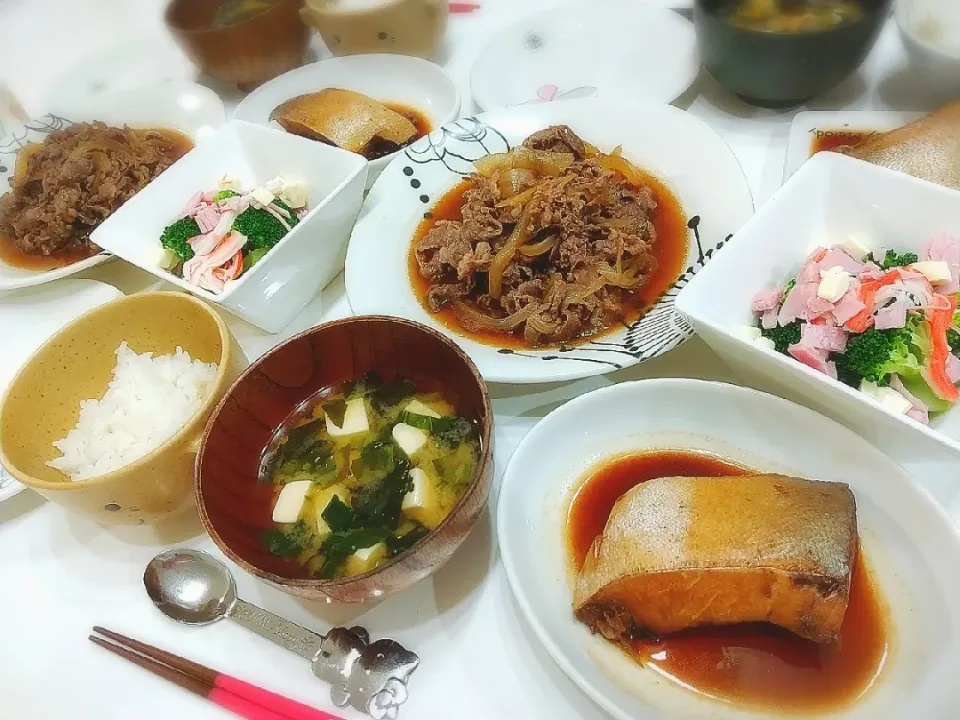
(106, 417)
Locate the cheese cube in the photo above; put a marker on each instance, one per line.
(365, 559)
(834, 283)
(750, 333)
(290, 501)
(765, 342)
(409, 438)
(320, 502)
(422, 502)
(354, 420)
(888, 397)
(415, 407)
(936, 271)
(262, 195)
(294, 194)
(855, 246)
(164, 258)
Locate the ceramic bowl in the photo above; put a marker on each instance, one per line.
(236, 508)
(783, 69)
(587, 50)
(405, 27)
(906, 536)
(277, 288)
(192, 109)
(832, 197)
(930, 30)
(408, 81)
(43, 402)
(246, 53)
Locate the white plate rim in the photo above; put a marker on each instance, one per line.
(505, 543)
(487, 103)
(581, 360)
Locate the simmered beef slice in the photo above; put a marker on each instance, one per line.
(558, 138)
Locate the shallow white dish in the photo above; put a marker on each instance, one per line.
(679, 149)
(277, 288)
(32, 317)
(192, 109)
(930, 31)
(808, 126)
(616, 49)
(409, 81)
(907, 537)
(830, 198)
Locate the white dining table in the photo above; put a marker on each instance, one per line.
(60, 574)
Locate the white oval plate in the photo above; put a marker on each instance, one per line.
(908, 539)
(29, 319)
(615, 49)
(681, 150)
(409, 81)
(190, 108)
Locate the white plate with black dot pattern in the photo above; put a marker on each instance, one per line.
(682, 151)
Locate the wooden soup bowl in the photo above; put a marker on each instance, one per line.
(236, 507)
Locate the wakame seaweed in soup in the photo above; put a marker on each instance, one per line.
(368, 471)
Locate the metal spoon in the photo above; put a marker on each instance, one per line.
(195, 588)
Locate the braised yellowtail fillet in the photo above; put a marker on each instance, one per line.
(679, 553)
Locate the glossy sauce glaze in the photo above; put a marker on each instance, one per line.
(832, 139)
(670, 251)
(756, 665)
(381, 148)
(12, 256)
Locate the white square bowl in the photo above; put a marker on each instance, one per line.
(277, 288)
(829, 199)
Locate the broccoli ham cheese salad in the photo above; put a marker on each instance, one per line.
(222, 234)
(886, 325)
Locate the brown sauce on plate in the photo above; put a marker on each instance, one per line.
(832, 139)
(756, 664)
(670, 251)
(12, 256)
(378, 148)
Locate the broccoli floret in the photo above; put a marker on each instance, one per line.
(893, 259)
(783, 337)
(875, 355)
(175, 236)
(224, 194)
(788, 287)
(953, 339)
(262, 229)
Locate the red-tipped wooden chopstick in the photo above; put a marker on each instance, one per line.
(242, 698)
(463, 7)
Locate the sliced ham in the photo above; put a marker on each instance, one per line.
(810, 270)
(953, 368)
(814, 358)
(210, 282)
(205, 244)
(818, 307)
(193, 204)
(766, 300)
(838, 257)
(823, 337)
(207, 218)
(849, 305)
(947, 249)
(768, 320)
(892, 315)
(795, 305)
(919, 412)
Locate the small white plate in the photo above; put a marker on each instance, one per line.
(810, 125)
(30, 318)
(907, 538)
(619, 49)
(192, 109)
(676, 147)
(409, 81)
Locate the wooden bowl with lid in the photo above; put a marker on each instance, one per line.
(235, 506)
(248, 52)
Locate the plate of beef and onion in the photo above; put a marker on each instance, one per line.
(62, 176)
(704, 561)
(549, 241)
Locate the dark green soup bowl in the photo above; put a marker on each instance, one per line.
(780, 69)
